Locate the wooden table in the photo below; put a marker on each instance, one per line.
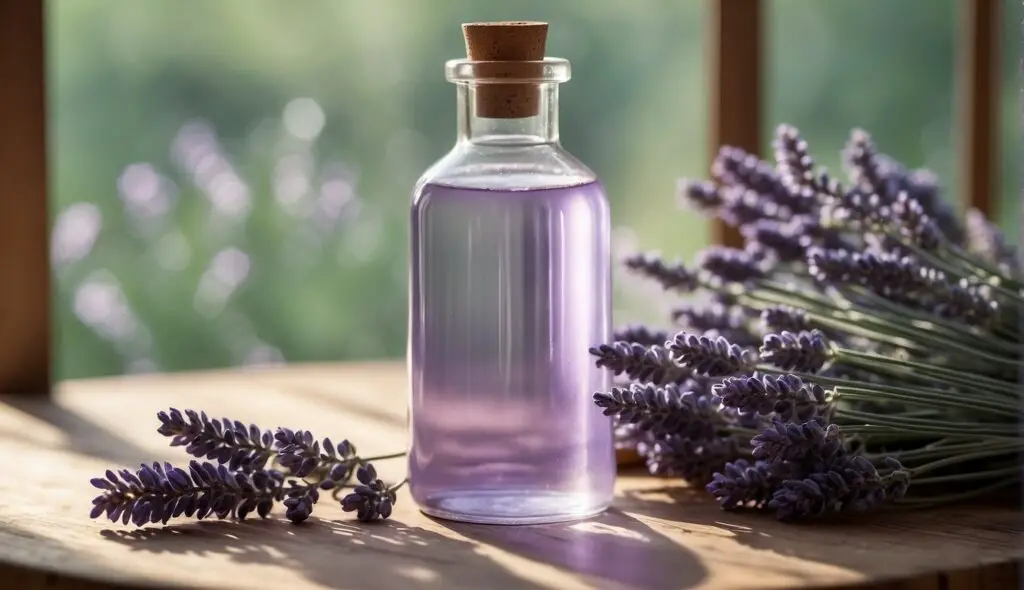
(659, 534)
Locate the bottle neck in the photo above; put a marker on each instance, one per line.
(541, 128)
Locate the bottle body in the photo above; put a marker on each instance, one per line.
(510, 287)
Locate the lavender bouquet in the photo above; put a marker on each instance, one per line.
(861, 349)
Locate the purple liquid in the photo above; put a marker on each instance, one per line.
(509, 289)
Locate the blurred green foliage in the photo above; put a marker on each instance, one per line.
(232, 178)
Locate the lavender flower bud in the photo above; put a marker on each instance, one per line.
(742, 483)
(814, 233)
(785, 395)
(159, 492)
(783, 318)
(915, 223)
(730, 265)
(672, 276)
(742, 206)
(716, 320)
(736, 168)
(704, 318)
(371, 499)
(862, 163)
(849, 484)
(225, 441)
(904, 280)
(694, 461)
(663, 410)
(802, 352)
(796, 168)
(984, 239)
(779, 237)
(809, 443)
(652, 364)
(299, 501)
(711, 357)
(699, 194)
(642, 335)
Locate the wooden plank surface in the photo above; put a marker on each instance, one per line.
(24, 260)
(659, 534)
(736, 71)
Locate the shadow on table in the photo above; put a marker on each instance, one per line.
(83, 435)
(853, 542)
(613, 547)
(335, 553)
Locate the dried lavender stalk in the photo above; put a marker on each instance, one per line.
(671, 276)
(652, 364)
(710, 356)
(640, 334)
(664, 410)
(802, 352)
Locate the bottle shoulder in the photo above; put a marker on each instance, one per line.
(483, 166)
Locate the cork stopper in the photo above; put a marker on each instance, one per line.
(507, 47)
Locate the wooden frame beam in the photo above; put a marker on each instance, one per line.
(24, 251)
(736, 70)
(978, 82)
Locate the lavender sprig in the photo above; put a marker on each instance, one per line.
(736, 168)
(664, 410)
(640, 334)
(785, 396)
(652, 364)
(802, 352)
(786, 239)
(671, 276)
(744, 484)
(372, 499)
(985, 240)
(904, 280)
(700, 195)
(717, 320)
(239, 482)
(710, 356)
(803, 443)
(158, 492)
(783, 318)
(796, 167)
(731, 265)
(300, 453)
(694, 461)
(848, 484)
(222, 440)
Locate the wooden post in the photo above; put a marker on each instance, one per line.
(735, 68)
(24, 259)
(978, 80)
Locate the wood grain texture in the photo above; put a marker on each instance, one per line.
(660, 534)
(24, 260)
(735, 67)
(979, 87)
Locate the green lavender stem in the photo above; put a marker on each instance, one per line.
(999, 390)
(920, 395)
(933, 501)
(881, 325)
(972, 476)
(932, 451)
(959, 458)
(915, 319)
(981, 265)
(925, 400)
(874, 359)
(983, 429)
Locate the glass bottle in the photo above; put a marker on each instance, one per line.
(509, 287)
